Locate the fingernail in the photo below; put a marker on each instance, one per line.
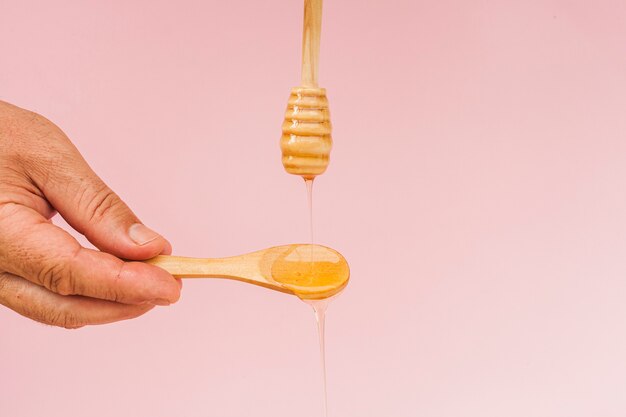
(142, 234)
(160, 302)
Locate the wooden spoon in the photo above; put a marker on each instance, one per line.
(308, 271)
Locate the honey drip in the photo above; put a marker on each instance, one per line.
(309, 196)
(319, 308)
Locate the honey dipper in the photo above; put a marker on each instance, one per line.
(309, 271)
(306, 141)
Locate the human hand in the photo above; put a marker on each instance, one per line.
(45, 274)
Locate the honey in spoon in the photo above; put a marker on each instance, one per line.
(310, 271)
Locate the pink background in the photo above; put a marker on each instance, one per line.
(477, 187)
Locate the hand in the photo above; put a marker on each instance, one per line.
(45, 274)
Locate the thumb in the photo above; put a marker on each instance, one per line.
(108, 223)
(91, 207)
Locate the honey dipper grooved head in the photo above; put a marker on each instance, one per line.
(306, 140)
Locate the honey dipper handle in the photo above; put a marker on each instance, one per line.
(311, 41)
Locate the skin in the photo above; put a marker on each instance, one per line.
(45, 274)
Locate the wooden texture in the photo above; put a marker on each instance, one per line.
(311, 34)
(306, 140)
(308, 271)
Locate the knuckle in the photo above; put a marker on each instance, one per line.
(53, 277)
(58, 315)
(57, 276)
(65, 319)
(70, 321)
(101, 205)
(112, 292)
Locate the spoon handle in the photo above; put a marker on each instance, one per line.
(183, 267)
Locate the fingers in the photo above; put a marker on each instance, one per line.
(44, 254)
(71, 312)
(84, 200)
(94, 210)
